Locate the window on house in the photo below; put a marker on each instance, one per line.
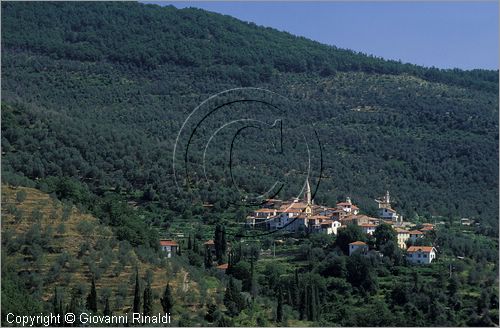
(419, 255)
(425, 255)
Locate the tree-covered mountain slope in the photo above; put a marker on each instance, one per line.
(98, 92)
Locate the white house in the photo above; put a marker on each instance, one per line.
(421, 254)
(403, 236)
(348, 206)
(368, 228)
(358, 246)
(330, 226)
(296, 223)
(169, 247)
(388, 214)
(465, 221)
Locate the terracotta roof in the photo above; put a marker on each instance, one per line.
(367, 225)
(321, 217)
(223, 266)
(344, 204)
(294, 206)
(167, 242)
(360, 243)
(209, 242)
(427, 224)
(361, 216)
(416, 232)
(399, 230)
(265, 210)
(354, 207)
(427, 229)
(425, 249)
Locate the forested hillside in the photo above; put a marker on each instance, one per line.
(94, 94)
(100, 100)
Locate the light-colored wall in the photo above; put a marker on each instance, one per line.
(427, 259)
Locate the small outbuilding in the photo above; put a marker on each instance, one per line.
(169, 246)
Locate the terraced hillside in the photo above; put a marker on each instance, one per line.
(54, 245)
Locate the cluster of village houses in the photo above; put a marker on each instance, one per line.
(302, 215)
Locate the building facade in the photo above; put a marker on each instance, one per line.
(421, 254)
(169, 247)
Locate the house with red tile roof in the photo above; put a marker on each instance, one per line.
(420, 254)
(348, 206)
(169, 246)
(427, 227)
(368, 228)
(222, 267)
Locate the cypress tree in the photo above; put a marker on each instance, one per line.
(217, 243)
(228, 297)
(208, 259)
(107, 310)
(223, 241)
(253, 280)
(190, 243)
(92, 297)
(148, 300)
(233, 300)
(303, 304)
(309, 303)
(137, 293)
(279, 307)
(195, 245)
(317, 303)
(239, 254)
(167, 301)
(55, 302)
(75, 306)
(289, 294)
(296, 288)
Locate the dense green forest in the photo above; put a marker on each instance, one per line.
(94, 94)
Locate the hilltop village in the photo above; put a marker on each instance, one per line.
(302, 215)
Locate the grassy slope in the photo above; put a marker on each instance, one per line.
(70, 242)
